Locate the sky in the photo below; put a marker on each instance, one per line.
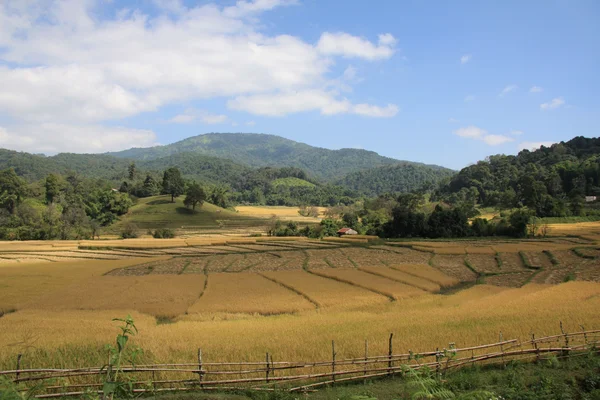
(439, 82)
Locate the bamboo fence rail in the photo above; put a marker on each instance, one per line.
(269, 375)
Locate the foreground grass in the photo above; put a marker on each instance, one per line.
(549, 379)
(76, 338)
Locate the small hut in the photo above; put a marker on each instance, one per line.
(346, 231)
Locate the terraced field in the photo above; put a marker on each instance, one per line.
(240, 296)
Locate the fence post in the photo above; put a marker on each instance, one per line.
(437, 361)
(267, 368)
(535, 346)
(366, 354)
(390, 353)
(566, 352)
(200, 372)
(502, 348)
(333, 354)
(272, 368)
(18, 366)
(584, 334)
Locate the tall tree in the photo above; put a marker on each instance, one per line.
(173, 183)
(131, 170)
(53, 188)
(195, 195)
(12, 190)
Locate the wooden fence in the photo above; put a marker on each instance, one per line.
(270, 375)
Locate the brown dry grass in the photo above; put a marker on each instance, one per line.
(327, 292)
(426, 272)
(151, 294)
(23, 283)
(454, 266)
(403, 277)
(377, 284)
(248, 293)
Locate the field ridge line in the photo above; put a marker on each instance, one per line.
(292, 289)
(396, 279)
(335, 278)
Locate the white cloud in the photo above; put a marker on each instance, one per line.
(62, 65)
(471, 132)
(476, 133)
(250, 123)
(531, 146)
(191, 115)
(54, 138)
(536, 89)
(292, 102)
(516, 132)
(453, 120)
(346, 45)
(508, 89)
(553, 104)
(495, 140)
(465, 59)
(469, 98)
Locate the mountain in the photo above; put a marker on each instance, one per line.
(402, 177)
(260, 150)
(242, 161)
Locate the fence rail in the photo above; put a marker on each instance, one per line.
(269, 375)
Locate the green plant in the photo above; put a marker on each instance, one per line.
(10, 390)
(129, 231)
(163, 233)
(114, 384)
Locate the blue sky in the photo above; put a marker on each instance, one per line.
(440, 82)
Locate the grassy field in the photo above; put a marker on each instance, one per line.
(160, 212)
(237, 299)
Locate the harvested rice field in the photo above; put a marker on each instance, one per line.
(247, 293)
(241, 297)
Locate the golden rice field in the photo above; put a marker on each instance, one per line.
(281, 212)
(238, 298)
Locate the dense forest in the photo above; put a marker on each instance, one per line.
(258, 150)
(552, 181)
(402, 177)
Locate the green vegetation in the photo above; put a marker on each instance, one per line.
(159, 212)
(397, 178)
(292, 182)
(258, 150)
(551, 181)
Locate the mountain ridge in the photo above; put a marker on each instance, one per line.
(263, 150)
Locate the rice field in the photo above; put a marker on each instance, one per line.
(469, 317)
(247, 293)
(238, 298)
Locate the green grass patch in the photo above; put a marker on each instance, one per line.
(498, 260)
(552, 257)
(292, 182)
(527, 263)
(580, 253)
(568, 220)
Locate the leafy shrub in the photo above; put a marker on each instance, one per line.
(129, 231)
(163, 233)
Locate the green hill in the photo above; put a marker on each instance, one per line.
(551, 181)
(260, 150)
(158, 212)
(397, 178)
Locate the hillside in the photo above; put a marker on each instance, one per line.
(159, 212)
(552, 181)
(259, 150)
(402, 177)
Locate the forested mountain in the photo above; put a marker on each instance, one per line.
(553, 181)
(259, 150)
(397, 178)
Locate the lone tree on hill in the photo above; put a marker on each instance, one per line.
(195, 195)
(173, 183)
